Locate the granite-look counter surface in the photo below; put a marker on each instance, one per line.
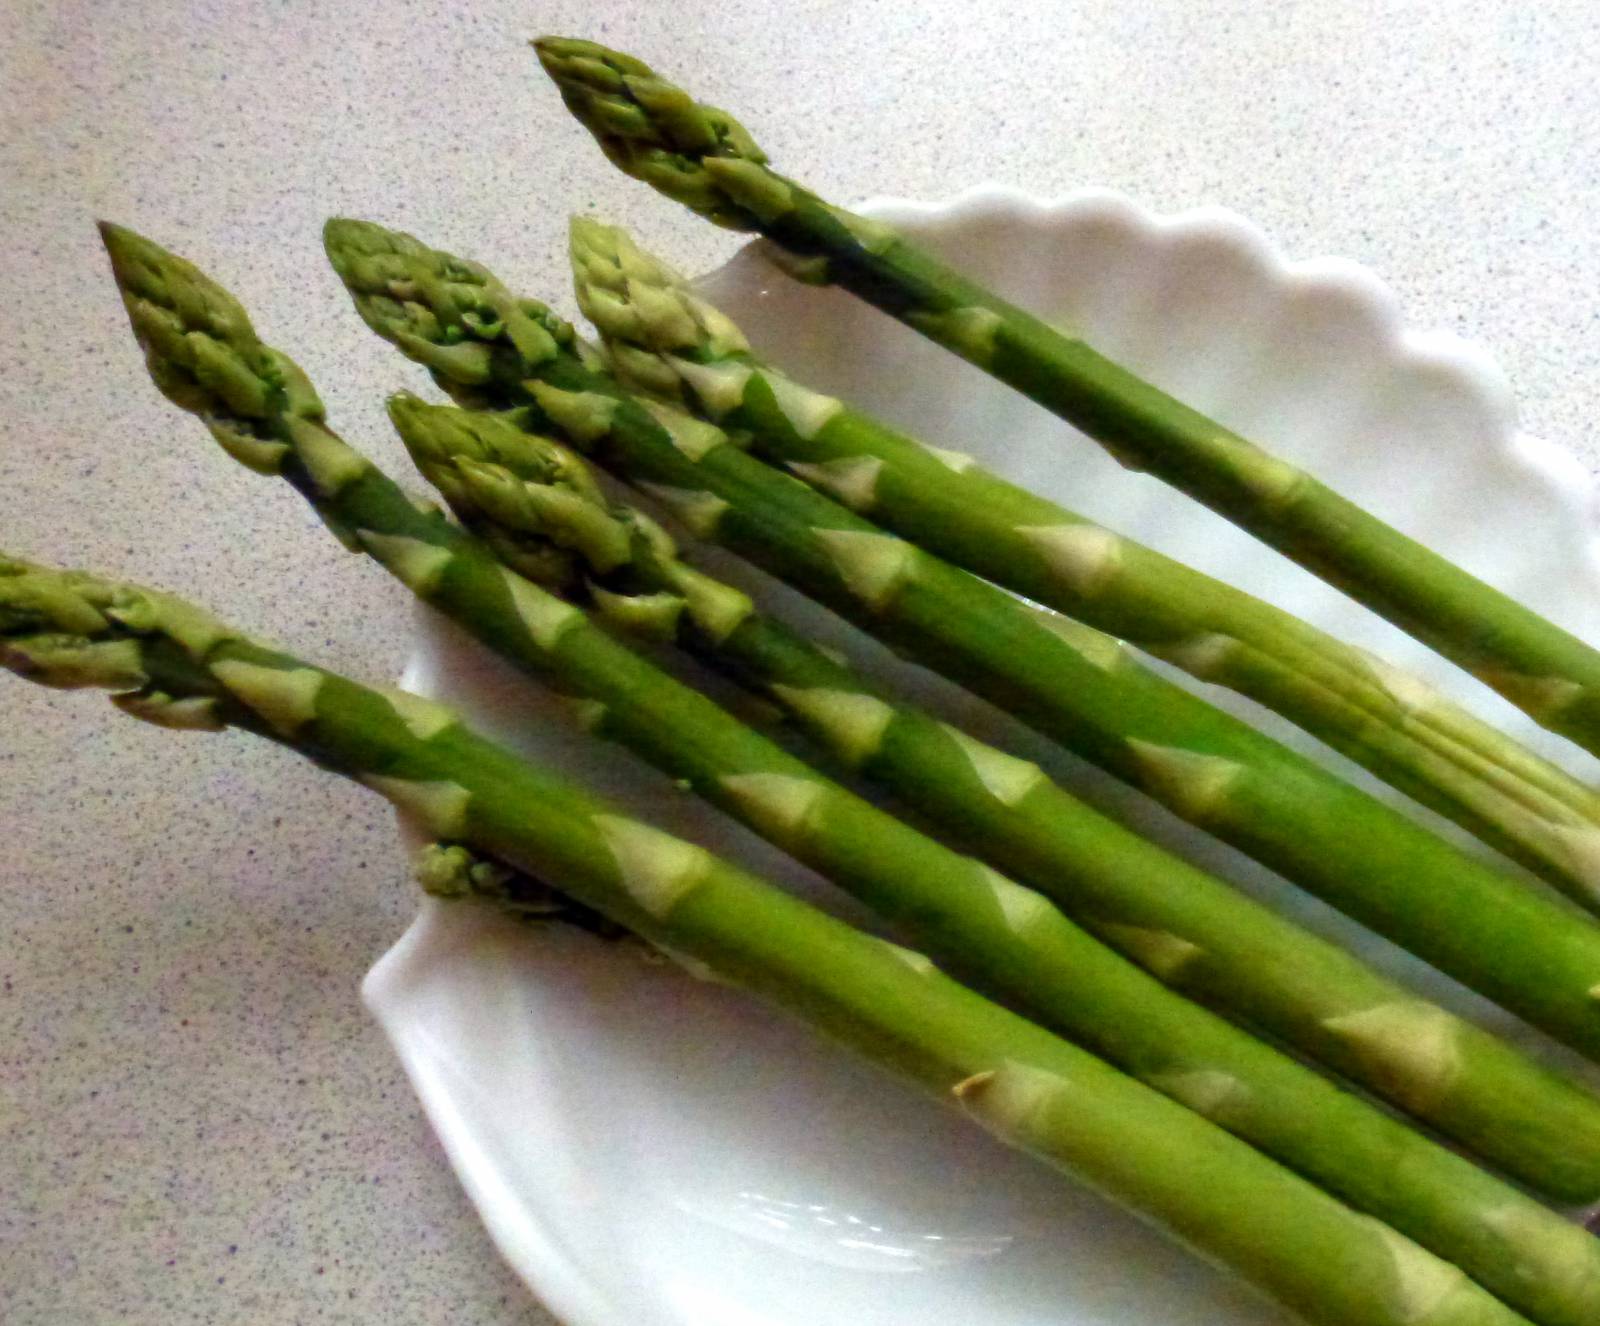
(198, 1121)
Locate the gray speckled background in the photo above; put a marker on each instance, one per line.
(198, 1122)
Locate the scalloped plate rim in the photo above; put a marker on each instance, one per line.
(1557, 465)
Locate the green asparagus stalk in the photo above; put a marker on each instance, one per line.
(665, 339)
(1185, 927)
(1008, 937)
(173, 664)
(703, 158)
(1527, 953)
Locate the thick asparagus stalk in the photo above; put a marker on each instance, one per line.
(1529, 954)
(175, 665)
(1010, 938)
(1185, 927)
(665, 339)
(703, 158)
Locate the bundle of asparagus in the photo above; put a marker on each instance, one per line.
(203, 352)
(1090, 1041)
(490, 347)
(666, 340)
(175, 665)
(702, 157)
(1185, 927)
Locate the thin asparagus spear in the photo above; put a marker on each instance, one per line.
(703, 158)
(173, 664)
(1185, 927)
(971, 916)
(1527, 953)
(665, 339)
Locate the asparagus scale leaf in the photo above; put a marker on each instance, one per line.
(176, 665)
(1528, 953)
(663, 338)
(970, 916)
(703, 158)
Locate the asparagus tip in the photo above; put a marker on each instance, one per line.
(344, 234)
(405, 407)
(335, 231)
(130, 252)
(553, 51)
(581, 227)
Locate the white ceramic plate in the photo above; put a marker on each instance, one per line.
(648, 1150)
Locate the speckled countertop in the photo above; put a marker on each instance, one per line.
(198, 1121)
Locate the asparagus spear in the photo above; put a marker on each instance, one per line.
(665, 339)
(173, 664)
(703, 158)
(488, 346)
(976, 919)
(1185, 927)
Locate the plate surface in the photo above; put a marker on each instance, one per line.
(646, 1149)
